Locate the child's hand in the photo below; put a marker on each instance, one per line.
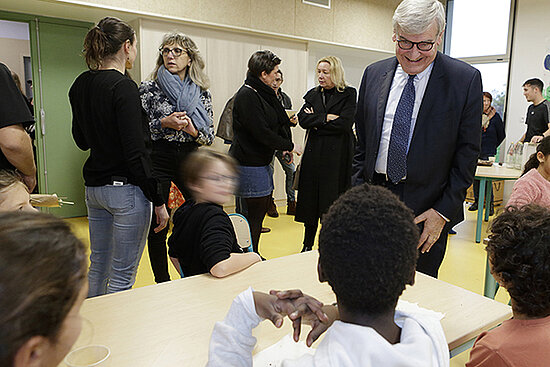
(276, 308)
(309, 311)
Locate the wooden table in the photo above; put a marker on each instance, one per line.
(170, 324)
(487, 175)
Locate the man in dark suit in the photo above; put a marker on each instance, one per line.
(418, 126)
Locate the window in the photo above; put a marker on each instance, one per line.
(495, 78)
(477, 28)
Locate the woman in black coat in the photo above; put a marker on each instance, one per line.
(325, 172)
(260, 126)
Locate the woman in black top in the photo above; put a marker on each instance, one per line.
(325, 172)
(260, 126)
(108, 120)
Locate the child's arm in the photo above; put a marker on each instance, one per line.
(236, 262)
(232, 342)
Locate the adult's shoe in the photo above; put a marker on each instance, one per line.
(291, 207)
(272, 209)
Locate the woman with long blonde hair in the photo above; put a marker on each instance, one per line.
(179, 107)
(325, 173)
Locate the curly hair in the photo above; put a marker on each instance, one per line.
(368, 249)
(519, 254)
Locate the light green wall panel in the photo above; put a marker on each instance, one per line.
(60, 47)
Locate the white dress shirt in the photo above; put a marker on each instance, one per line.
(398, 84)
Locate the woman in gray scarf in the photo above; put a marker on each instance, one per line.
(179, 107)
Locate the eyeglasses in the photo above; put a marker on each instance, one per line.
(176, 51)
(421, 46)
(221, 178)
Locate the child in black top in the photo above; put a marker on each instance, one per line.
(203, 239)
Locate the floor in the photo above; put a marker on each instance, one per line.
(464, 263)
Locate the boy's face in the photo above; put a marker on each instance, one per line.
(14, 198)
(216, 184)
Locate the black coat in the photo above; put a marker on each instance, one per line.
(325, 171)
(259, 127)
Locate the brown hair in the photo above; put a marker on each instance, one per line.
(263, 60)
(17, 81)
(42, 270)
(8, 178)
(197, 162)
(488, 95)
(105, 39)
(533, 161)
(196, 69)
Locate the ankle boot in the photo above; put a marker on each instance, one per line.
(291, 207)
(272, 210)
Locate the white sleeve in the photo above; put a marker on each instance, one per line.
(232, 342)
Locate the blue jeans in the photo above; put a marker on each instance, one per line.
(119, 219)
(289, 169)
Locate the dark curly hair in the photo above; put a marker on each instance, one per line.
(368, 249)
(519, 254)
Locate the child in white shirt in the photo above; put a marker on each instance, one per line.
(367, 253)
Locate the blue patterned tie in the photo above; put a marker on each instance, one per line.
(399, 139)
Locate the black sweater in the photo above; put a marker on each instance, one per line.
(108, 120)
(202, 237)
(258, 129)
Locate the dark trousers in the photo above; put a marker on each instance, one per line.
(428, 262)
(167, 158)
(256, 211)
(310, 230)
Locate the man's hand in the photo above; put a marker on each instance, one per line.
(162, 217)
(433, 224)
(308, 110)
(537, 138)
(309, 311)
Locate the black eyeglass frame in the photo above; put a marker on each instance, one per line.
(400, 44)
(176, 51)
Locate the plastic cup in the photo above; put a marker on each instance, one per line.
(89, 356)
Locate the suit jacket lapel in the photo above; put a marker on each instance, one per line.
(433, 89)
(385, 85)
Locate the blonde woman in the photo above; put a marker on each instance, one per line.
(179, 107)
(327, 115)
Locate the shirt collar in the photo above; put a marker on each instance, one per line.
(419, 76)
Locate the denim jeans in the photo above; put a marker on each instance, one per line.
(289, 170)
(119, 219)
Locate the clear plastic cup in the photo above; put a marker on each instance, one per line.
(89, 356)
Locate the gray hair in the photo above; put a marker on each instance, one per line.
(415, 16)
